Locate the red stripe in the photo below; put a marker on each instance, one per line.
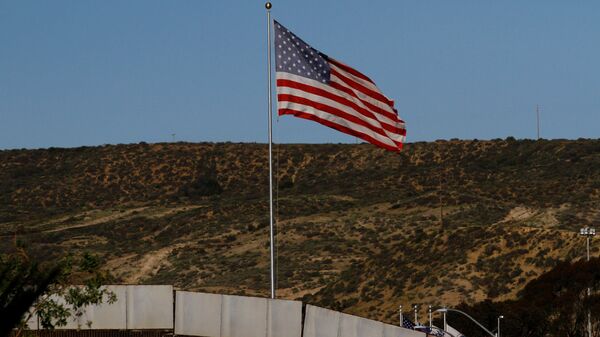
(334, 111)
(350, 70)
(340, 128)
(372, 107)
(373, 94)
(341, 100)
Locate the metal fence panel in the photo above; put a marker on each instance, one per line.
(150, 307)
(198, 314)
(396, 331)
(321, 322)
(285, 318)
(243, 316)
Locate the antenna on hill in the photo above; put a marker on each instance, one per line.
(537, 113)
(173, 137)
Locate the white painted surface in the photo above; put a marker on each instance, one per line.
(150, 307)
(198, 314)
(243, 316)
(285, 318)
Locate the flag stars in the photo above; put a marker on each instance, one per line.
(295, 56)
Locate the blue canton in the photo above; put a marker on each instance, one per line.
(294, 56)
(406, 323)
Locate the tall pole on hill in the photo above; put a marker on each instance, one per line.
(588, 233)
(270, 116)
(537, 113)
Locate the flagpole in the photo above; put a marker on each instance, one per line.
(270, 115)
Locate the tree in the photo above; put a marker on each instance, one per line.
(20, 285)
(554, 304)
(28, 289)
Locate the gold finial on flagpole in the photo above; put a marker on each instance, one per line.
(268, 5)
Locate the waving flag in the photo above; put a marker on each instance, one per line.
(407, 323)
(314, 86)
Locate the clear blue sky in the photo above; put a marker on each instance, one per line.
(94, 72)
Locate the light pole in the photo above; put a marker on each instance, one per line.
(588, 233)
(445, 324)
(445, 310)
(430, 321)
(498, 331)
(416, 307)
(401, 318)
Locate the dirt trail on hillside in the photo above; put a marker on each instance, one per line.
(97, 221)
(123, 215)
(151, 262)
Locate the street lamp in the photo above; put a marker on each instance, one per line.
(445, 310)
(401, 318)
(430, 321)
(498, 331)
(416, 307)
(588, 233)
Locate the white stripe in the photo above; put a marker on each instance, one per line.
(331, 103)
(323, 86)
(362, 95)
(335, 119)
(356, 79)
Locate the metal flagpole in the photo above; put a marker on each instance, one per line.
(270, 114)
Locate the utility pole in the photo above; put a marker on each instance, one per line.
(537, 113)
(588, 233)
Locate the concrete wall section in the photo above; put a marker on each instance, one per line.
(243, 316)
(321, 322)
(108, 316)
(354, 326)
(396, 331)
(150, 307)
(285, 318)
(198, 314)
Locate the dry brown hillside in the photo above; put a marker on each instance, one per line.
(359, 229)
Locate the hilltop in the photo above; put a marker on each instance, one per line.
(359, 229)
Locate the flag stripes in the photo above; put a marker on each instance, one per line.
(313, 86)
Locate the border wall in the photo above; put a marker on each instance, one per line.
(158, 310)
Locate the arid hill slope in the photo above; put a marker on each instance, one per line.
(359, 229)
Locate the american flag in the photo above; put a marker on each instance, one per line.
(406, 323)
(314, 86)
